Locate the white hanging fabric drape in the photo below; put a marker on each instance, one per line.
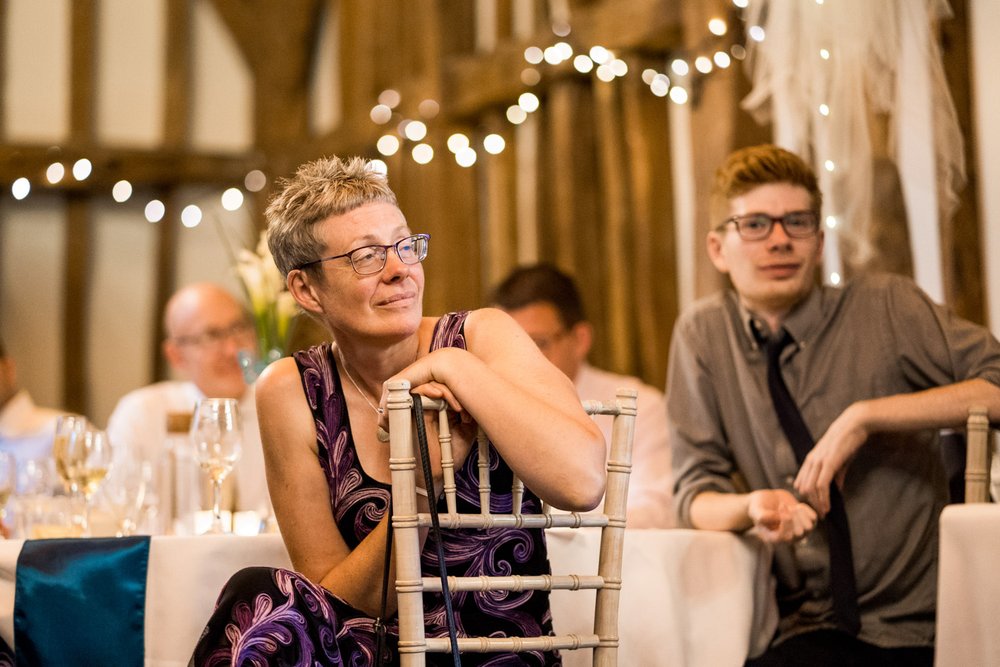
(822, 70)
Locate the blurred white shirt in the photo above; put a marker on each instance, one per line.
(138, 427)
(27, 431)
(650, 487)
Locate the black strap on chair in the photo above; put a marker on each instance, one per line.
(425, 460)
(381, 654)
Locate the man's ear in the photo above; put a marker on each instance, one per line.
(713, 244)
(175, 356)
(583, 338)
(300, 284)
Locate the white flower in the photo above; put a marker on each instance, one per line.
(272, 305)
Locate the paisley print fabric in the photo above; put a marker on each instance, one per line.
(268, 616)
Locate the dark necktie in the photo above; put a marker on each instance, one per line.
(842, 584)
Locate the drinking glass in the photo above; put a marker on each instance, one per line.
(130, 495)
(216, 438)
(8, 482)
(85, 461)
(36, 481)
(66, 426)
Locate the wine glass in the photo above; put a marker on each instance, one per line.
(130, 495)
(85, 461)
(8, 482)
(66, 425)
(216, 436)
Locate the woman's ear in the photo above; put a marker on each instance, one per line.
(300, 285)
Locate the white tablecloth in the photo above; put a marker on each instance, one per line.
(968, 632)
(688, 597)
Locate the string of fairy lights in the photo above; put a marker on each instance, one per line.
(719, 49)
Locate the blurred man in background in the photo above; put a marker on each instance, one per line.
(547, 305)
(205, 328)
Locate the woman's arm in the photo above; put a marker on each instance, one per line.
(301, 496)
(527, 406)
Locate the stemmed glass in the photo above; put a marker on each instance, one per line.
(216, 437)
(83, 460)
(130, 494)
(8, 482)
(66, 426)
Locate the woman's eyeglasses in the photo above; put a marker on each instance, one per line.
(370, 259)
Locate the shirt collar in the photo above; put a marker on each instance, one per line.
(799, 323)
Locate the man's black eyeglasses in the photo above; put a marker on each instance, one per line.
(370, 259)
(758, 226)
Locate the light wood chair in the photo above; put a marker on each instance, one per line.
(410, 584)
(978, 450)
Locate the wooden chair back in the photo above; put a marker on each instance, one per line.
(410, 584)
(978, 450)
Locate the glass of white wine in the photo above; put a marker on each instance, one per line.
(66, 425)
(85, 462)
(216, 438)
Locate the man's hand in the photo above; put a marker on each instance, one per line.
(829, 458)
(778, 516)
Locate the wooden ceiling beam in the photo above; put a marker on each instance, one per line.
(476, 82)
(156, 168)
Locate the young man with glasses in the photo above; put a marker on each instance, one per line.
(547, 305)
(811, 415)
(205, 328)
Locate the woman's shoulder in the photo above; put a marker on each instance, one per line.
(459, 328)
(277, 378)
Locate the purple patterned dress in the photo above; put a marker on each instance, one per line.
(268, 616)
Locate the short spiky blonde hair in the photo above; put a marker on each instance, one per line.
(319, 189)
(748, 168)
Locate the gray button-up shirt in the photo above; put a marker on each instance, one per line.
(877, 336)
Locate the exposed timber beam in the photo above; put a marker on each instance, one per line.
(140, 167)
(473, 83)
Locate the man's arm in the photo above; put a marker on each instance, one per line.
(940, 407)
(775, 514)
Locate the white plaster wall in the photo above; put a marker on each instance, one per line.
(122, 318)
(32, 253)
(984, 25)
(222, 100)
(325, 109)
(131, 62)
(36, 86)
(203, 252)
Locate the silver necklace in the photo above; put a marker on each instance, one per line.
(378, 411)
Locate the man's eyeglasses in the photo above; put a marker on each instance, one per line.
(370, 259)
(215, 337)
(545, 343)
(758, 226)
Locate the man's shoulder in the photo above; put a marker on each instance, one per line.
(700, 320)
(879, 282)
(600, 384)
(166, 395)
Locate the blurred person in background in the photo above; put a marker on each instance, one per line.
(26, 430)
(547, 304)
(205, 328)
(26, 433)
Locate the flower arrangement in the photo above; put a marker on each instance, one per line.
(272, 305)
